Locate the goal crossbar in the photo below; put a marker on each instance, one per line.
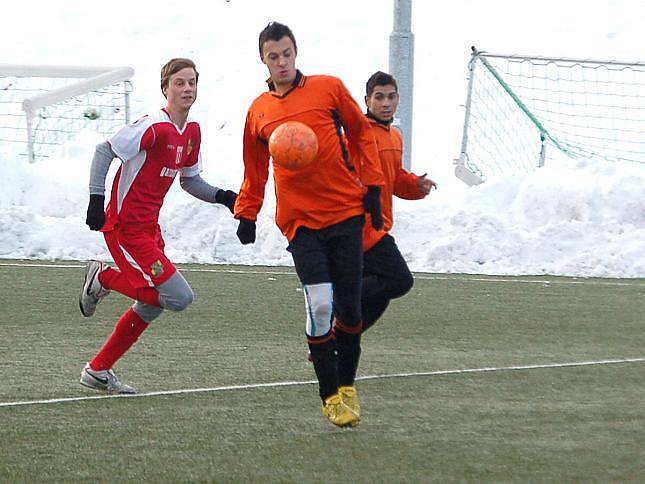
(82, 80)
(557, 59)
(93, 78)
(45, 70)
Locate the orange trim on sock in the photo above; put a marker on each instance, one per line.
(358, 329)
(318, 340)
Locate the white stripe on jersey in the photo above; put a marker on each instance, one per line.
(195, 169)
(134, 264)
(126, 143)
(129, 172)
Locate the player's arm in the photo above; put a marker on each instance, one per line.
(191, 181)
(412, 187)
(125, 144)
(359, 134)
(103, 156)
(408, 185)
(202, 190)
(256, 172)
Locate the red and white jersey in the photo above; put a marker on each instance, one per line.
(152, 150)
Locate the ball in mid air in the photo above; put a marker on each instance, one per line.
(293, 145)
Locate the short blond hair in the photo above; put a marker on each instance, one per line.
(173, 66)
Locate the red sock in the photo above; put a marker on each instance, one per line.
(113, 279)
(126, 332)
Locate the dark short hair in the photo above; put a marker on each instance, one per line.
(173, 66)
(380, 78)
(275, 31)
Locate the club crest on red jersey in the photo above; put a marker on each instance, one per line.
(191, 144)
(156, 268)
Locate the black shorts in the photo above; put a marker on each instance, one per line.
(385, 260)
(333, 254)
(324, 255)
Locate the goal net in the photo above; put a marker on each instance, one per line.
(522, 112)
(44, 106)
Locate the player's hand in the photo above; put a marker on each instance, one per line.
(95, 212)
(425, 184)
(226, 198)
(372, 204)
(246, 231)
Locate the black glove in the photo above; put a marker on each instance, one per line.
(246, 231)
(372, 204)
(95, 212)
(227, 198)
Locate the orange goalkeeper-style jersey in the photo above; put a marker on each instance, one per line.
(328, 190)
(398, 182)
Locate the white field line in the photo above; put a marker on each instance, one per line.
(253, 386)
(423, 276)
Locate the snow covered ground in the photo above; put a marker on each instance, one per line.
(569, 218)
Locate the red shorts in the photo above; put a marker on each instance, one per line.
(139, 255)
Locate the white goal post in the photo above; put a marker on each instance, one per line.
(45, 105)
(524, 111)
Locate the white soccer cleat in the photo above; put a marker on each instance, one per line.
(104, 380)
(92, 291)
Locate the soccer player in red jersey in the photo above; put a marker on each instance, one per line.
(319, 208)
(385, 273)
(152, 151)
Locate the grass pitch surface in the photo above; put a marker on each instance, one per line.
(467, 378)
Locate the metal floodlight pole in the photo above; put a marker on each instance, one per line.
(402, 68)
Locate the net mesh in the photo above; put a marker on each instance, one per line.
(581, 109)
(102, 110)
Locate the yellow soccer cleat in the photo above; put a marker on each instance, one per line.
(349, 396)
(338, 413)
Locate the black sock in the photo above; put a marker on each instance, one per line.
(323, 356)
(349, 352)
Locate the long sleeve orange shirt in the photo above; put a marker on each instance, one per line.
(398, 181)
(328, 190)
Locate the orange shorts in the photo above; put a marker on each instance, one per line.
(139, 254)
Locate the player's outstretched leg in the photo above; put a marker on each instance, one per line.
(92, 291)
(104, 380)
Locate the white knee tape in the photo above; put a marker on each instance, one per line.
(318, 303)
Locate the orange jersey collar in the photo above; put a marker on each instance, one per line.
(298, 81)
(385, 123)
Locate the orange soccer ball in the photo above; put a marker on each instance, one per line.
(293, 145)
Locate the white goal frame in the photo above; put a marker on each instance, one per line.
(90, 79)
(466, 168)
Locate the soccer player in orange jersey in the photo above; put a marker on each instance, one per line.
(385, 273)
(320, 208)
